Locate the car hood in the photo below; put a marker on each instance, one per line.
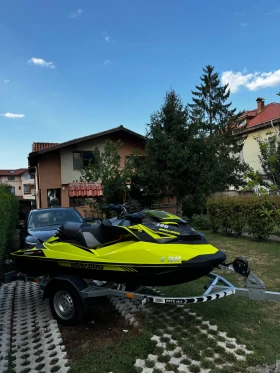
(43, 233)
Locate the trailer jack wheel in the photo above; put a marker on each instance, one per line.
(66, 305)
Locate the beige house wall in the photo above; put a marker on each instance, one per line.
(251, 147)
(68, 174)
(14, 183)
(26, 179)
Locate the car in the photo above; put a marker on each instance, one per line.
(41, 224)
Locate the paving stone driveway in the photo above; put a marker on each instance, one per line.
(30, 341)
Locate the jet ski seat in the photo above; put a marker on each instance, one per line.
(86, 234)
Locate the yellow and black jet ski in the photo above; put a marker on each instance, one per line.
(149, 247)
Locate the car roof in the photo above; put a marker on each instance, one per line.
(54, 209)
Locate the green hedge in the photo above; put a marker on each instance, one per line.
(8, 219)
(201, 221)
(236, 215)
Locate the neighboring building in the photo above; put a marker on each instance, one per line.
(22, 185)
(56, 166)
(260, 121)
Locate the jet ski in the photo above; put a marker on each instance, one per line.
(149, 247)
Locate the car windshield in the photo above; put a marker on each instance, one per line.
(52, 217)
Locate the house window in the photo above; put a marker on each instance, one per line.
(26, 188)
(11, 178)
(81, 158)
(13, 190)
(19, 188)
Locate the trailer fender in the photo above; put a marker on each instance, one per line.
(75, 282)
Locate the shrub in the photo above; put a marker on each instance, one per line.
(8, 219)
(201, 221)
(254, 214)
(54, 202)
(260, 220)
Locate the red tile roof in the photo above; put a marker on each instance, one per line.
(250, 113)
(42, 145)
(85, 138)
(85, 189)
(17, 172)
(270, 112)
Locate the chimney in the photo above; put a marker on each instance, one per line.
(260, 102)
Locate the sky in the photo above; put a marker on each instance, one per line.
(71, 68)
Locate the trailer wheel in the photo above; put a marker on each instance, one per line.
(66, 304)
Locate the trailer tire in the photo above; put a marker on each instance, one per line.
(66, 304)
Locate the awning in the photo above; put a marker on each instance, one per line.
(85, 190)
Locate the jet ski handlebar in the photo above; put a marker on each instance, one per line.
(118, 208)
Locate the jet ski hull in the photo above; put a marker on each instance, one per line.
(130, 273)
(118, 250)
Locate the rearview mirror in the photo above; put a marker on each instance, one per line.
(88, 219)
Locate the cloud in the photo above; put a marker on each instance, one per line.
(107, 38)
(273, 11)
(78, 13)
(13, 116)
(265, 80)
(107, 62)
(6, 81)
(41, 62)
(244, 24)
(235, 80)
(253, 82)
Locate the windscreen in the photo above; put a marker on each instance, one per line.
(53, 217)
(162, 215)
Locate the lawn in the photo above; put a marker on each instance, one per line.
(254, 324)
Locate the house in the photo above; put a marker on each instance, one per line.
(56, 167)
(259, 122)
(22, 185)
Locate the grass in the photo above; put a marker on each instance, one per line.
(254, 324)
(119, 358)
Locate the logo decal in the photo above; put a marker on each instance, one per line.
(174, 259)
(86, 265)
(162, 225)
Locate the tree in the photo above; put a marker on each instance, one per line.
(9, 209)
(218, 143)
(106, 167)
(163, 172)
(270, 159)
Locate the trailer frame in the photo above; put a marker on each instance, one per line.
(76, 292)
